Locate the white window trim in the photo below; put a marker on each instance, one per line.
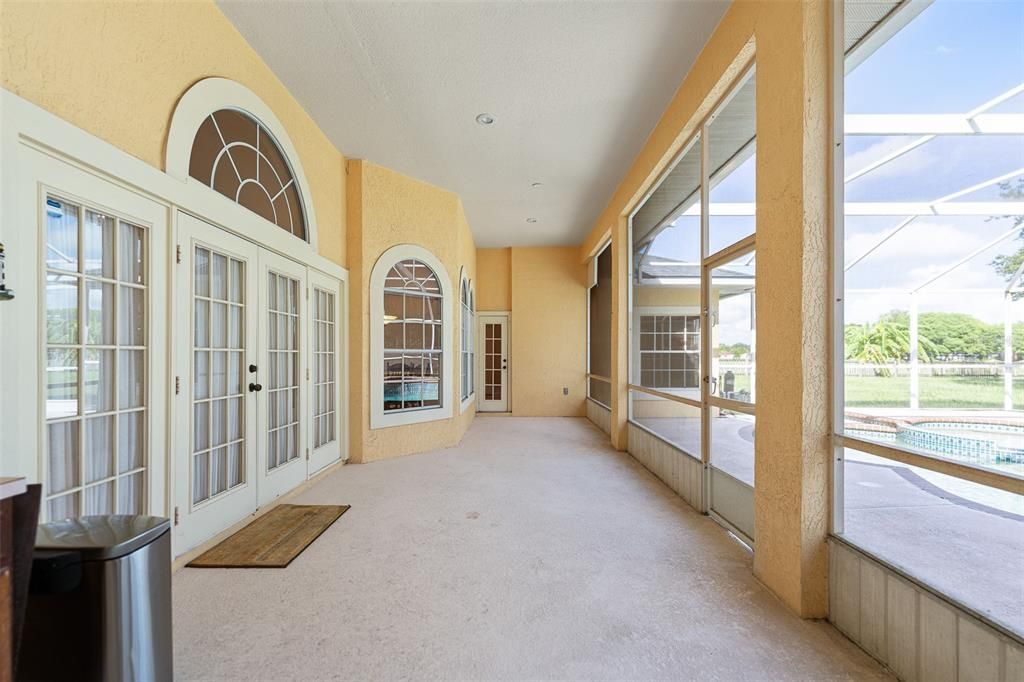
(634, 360)
(471, 398)
(379, 419)
(213, 94)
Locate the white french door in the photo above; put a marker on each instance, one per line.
(325, 379)
(260, 384)
(493, 354)
(217, 303)
(279, 378)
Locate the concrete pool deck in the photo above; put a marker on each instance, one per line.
(961, 538)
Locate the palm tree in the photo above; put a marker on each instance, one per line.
(881, 343)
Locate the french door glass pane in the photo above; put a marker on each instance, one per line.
(64, 507)
(99, 245)
(99, 499)
(63, 456)
(131, 378)
(282, 354)
(324, 359)
(99, 448)
(130, 329)
(130, 494)
(61, 382)
(99, 381)
(90, 371)
(61, 308)
(217, 413)
(131, 441)
(61, 235)
(131, 258)
(99, 313)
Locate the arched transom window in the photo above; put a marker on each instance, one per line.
(235, 154)
(412, 338)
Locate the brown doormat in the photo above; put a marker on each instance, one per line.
(272, 540)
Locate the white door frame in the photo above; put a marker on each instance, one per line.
(332, 451)
(505, 319)
(22, 320)
(28, 134)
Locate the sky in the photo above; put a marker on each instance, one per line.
(953, 57)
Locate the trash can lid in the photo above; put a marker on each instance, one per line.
(101, 537)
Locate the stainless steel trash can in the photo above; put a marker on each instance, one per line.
(99, 601)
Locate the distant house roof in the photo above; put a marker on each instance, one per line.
(661, 268)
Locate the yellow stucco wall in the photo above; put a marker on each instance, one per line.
(386, 208)
(666, 296)
(791, 41)
(548, 336)
(494, 279)
(117, 70)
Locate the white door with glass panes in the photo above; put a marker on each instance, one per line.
(325, 379)
(493, 354)
(280, 376)
(217, 317)
(260, 405)
(98, 342)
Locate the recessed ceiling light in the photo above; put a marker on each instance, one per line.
(531, 220)
(485, 119)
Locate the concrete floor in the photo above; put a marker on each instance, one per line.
(531, 550)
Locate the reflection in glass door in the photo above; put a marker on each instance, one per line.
(218, 426)
(96, 354)
(282, 375)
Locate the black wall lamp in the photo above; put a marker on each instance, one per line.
(5, 293)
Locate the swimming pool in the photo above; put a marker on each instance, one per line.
(995, 444)
(987, 444)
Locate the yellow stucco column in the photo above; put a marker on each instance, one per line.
(791, 496)
(620, 334)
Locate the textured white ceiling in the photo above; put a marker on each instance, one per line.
(575, 88)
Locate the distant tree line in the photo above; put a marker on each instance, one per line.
(942, 337)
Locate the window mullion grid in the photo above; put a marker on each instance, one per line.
(82, 334)
(117, 364)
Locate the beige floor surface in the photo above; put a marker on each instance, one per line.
(530, 551)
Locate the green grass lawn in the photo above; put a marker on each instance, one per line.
(955, 392)
(952, 392)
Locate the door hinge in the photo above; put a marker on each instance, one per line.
(177, 517)
(307, 454)
(177, 385)
(307, 374)
(177, 254)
